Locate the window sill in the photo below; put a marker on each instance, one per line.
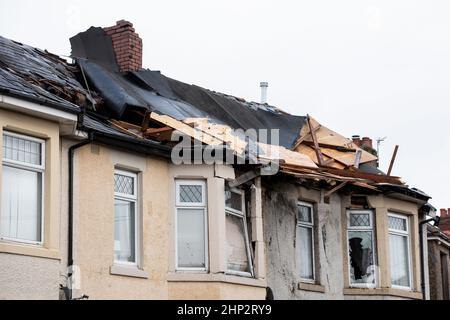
(306, 286)
(128, 271)
(383, 291)
(218, 277)
(28, 250)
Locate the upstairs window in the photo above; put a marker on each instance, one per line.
(399, 250)
(361, 248)
(238, 249)
(191, 225)
(23, 167)
(305, 241)
(125, 217)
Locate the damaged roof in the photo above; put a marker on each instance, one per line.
(152, 91)
(38, 76)
(44, 78)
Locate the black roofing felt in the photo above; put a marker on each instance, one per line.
(21, 66)
(153, 91)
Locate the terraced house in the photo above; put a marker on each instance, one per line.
(101, 200)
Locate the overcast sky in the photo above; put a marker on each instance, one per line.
(373, 68)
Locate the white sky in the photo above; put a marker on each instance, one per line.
(367, 67)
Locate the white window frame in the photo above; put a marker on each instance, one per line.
(191, 205)
(408, 242)
(375, 252)
(133, 199)
(29, 167)
(309, 225)
(242, 215)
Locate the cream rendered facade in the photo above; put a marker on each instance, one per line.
(33, 271)
(155, 277)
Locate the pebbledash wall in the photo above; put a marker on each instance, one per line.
(155, 278)
(330, 244)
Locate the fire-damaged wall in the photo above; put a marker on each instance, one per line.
(280, 220)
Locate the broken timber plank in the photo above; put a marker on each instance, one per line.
(186, 129)
(316, 144)
(391, 165)
(302, 139)
(336, 188)
(249, 175)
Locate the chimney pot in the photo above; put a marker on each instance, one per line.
(264, 86)
(356, 140)
(443, 213)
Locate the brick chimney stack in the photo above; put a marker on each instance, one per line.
(444, 224)
(367, 143)
(127, 45)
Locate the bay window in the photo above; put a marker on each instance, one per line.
(23, 167)
(361, 248)
(125, 218)
(238, 255)
(191, 225)
(305, 241)
(399, 248)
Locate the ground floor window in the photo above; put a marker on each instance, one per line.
(399, 250)
(361, 248)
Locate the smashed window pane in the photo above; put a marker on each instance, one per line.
(362, 264)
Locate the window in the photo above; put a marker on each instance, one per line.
(191, 225)
(125, 218)
(21, 215)
(399, 250)
(305, 240)
(361, 248)
(238, 249)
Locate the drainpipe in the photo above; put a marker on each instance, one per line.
(70, 220)
(422, 259)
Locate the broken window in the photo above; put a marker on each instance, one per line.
(361, 248)
(399, 250)
(125, 217)
(238, 249)
(22, 188)
(191, 225)
(305, 240)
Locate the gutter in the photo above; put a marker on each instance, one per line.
(70, 220)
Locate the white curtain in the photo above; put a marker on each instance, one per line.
(191, 238)
(305, 246)
(124, 231)
(20, 217)
(237, 258)
(399, 260)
